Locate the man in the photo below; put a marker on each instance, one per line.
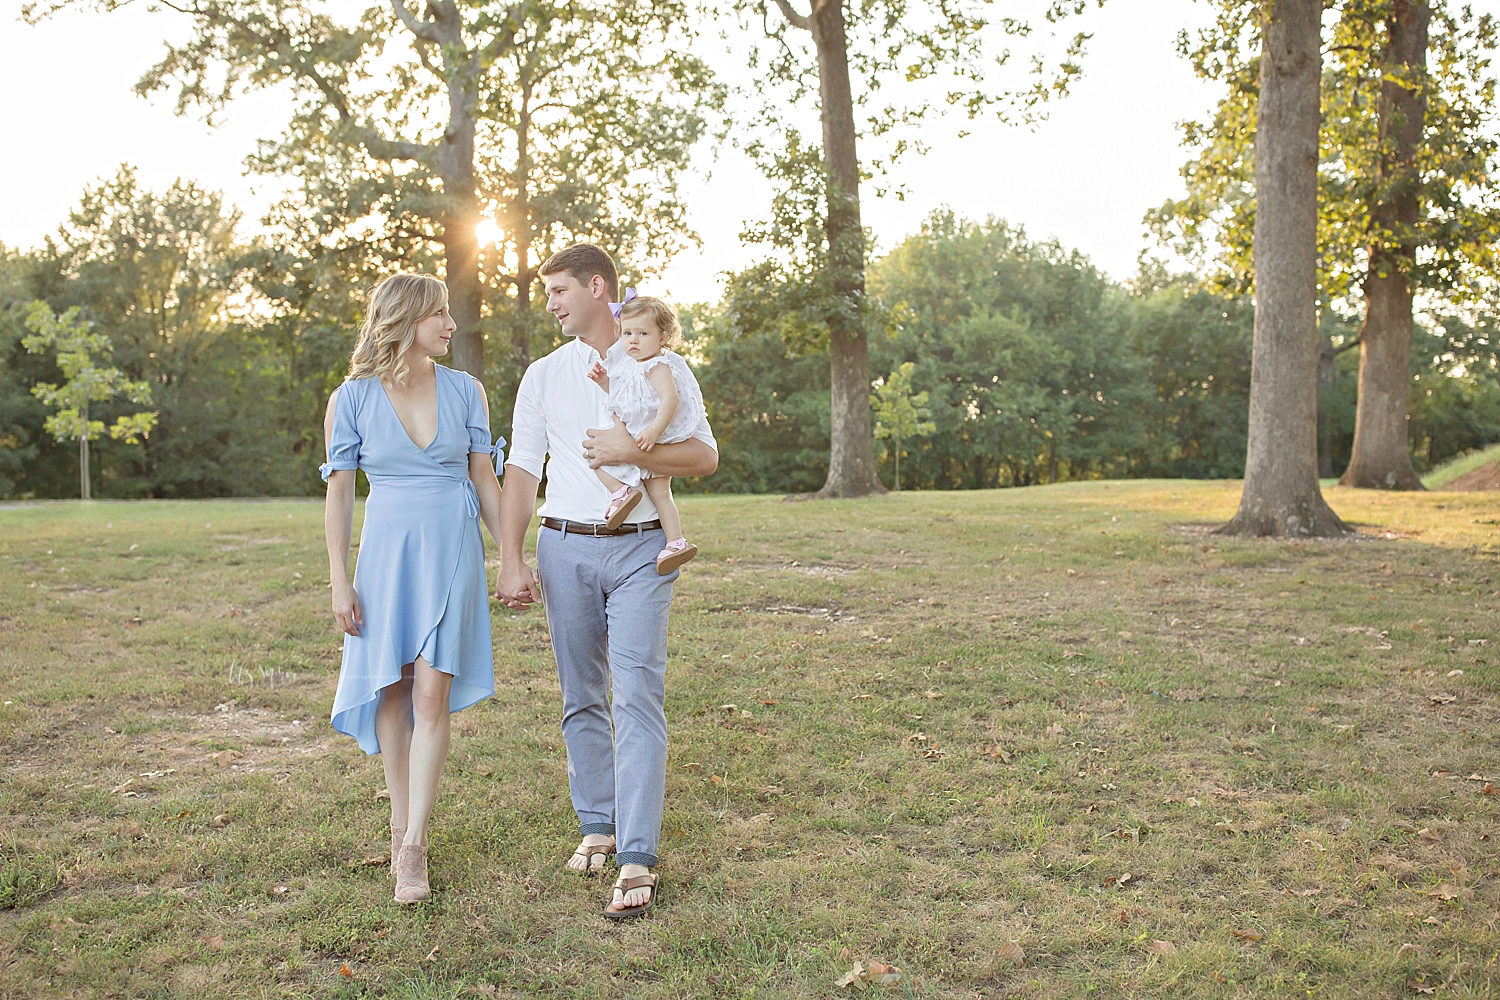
(606, 604)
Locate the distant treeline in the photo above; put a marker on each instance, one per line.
(1036, 367)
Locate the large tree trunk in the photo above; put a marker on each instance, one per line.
(1281, 495)
(851, 460)
(1381, 457)
(460, 219)
(520, 212)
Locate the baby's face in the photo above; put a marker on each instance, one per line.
(641, 337)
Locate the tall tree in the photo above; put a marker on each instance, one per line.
(393, 115)
(1406, 200)
(1281, 495)
(881, 39)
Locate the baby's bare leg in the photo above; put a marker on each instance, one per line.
(659, 489)
(610, 482)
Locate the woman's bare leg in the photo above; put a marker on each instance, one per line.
(659, 489)
(393, 727)
(429, 746)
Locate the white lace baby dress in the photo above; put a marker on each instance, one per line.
(635, 401)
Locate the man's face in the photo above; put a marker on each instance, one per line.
(573, 302)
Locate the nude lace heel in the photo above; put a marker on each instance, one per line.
(411, 875)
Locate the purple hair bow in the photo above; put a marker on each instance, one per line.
(615, 307)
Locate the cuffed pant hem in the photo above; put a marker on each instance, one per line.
(588, 828)
(634, 858)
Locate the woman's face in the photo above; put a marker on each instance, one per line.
(433, 333)
(641, 337)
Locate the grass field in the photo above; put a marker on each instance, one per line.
(1042, 743)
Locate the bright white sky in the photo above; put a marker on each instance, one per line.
(1109, 151)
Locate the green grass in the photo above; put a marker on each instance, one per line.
(958, 720)
(1450, 470)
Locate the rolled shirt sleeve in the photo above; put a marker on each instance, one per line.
(528, 432)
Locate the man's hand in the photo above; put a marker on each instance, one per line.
(517, 586)
(610, 446)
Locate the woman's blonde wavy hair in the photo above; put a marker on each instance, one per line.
(397, 305)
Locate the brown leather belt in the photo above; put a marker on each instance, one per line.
(579, 528)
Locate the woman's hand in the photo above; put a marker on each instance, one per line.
(346, 608)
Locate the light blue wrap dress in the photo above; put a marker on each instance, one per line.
(420, 572)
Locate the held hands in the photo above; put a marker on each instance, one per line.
(346, 608)
(599, 376)
(517, 586)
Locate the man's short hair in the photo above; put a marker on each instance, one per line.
(582, 261)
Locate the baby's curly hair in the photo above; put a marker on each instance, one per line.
(663, 315)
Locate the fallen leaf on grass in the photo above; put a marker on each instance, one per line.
(1245, 935)
(128, 787)
(1159, 947)
(226, 757)
(933, 753)
(1441, 699)
(768, 702)
(1412, 984)
(916, 739)
(694, 766)
(431, 955)
(861, 975)
(220, 821)
(855, 977)
(217, 941)
(280, 890)
(346, 972)
(182, 815)
(932, 695)
(1427, 836)
(1124, 916)
(129, 829)
(369, 861)
(996, 750)
(1303, 892)
(1120, 880)
(1054, 730)
(729, 709)
(382, 793)
(1445, 891)
(1012, 954)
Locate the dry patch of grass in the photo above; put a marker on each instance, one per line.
(1044, 743)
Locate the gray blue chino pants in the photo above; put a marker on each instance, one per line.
(607, 612)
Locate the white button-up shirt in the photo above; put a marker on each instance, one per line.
(556, 405)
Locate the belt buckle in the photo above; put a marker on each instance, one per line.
(597, 530)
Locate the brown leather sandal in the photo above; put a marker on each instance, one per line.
(588, 852)
(649, 880)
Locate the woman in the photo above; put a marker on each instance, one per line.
(416, 617)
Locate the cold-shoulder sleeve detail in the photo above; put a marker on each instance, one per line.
(343, 443)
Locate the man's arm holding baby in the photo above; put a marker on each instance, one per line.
(615, 446)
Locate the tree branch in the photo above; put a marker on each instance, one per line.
(797, 20)
(425, 30)
(504, 39)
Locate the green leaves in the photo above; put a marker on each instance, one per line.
(79, 352)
